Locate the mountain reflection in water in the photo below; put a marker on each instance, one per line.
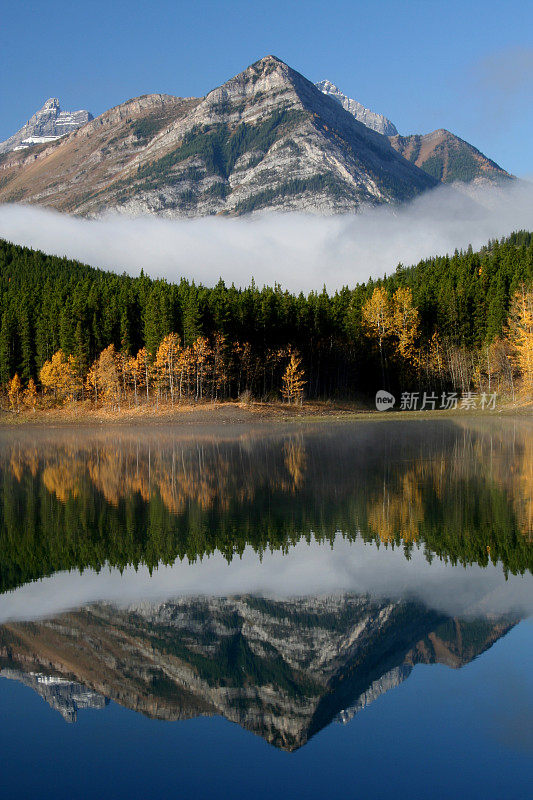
(283, 579)
(283, 669)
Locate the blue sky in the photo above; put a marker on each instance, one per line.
(465, 66)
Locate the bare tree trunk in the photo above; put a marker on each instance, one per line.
(146, 372)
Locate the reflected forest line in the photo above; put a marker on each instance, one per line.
(74, 500)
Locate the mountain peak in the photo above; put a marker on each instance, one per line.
(268, 138)
(51, 103)
(268, 60)
(46, 125)
(263, 68)
(377, 122)
(448, 158)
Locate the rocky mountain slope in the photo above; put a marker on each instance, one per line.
(441, 154)
(377, 122)
(67, 697)
(46, 125)
(282, 669)
(267, 138)
(449, 159)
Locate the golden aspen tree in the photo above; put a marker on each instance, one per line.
(143, 371)
(158, 372)
(172, 360)
(201, 353)
(405, 323)
(91, 381)
(293, 380)
(30, 394)
(49, 373)
(166, 362)
(60, 376)
(436, 357)
(377, 320)
(521, 337)
(14, 389)
(108, 377)
(72, 379)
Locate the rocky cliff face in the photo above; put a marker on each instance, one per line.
(449, 159)
(377, 122)
(280, 668)
(65, 696)
(268, 138)
(46, 125)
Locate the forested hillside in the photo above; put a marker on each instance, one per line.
(461, 322)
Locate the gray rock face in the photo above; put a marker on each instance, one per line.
(46, 125)
(65, 696)
(372, 120)
(266, 139)
(390, 680)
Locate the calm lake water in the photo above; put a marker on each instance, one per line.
(322, 611)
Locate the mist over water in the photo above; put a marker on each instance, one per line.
(302, 252)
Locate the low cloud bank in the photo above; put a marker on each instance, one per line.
(299, 251)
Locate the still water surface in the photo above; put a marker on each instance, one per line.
(323, 611)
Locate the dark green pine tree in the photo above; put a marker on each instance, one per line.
(191, 318)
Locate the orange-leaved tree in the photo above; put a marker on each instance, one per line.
(521, 336)
(14, 389)
(29, 397)
(60, 377)
(377, 321)
(166, 363)
(405, 323)
(293, 380)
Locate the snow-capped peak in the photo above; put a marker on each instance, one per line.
(377, 122)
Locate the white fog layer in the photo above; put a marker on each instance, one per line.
(299, 251)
